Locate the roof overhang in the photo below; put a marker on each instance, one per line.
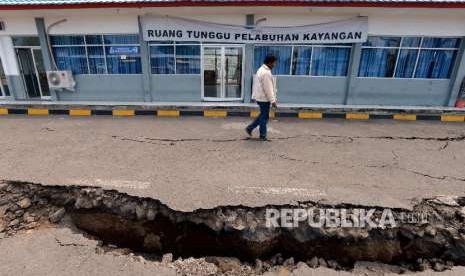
(360, 4)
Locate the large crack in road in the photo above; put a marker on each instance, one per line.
(430, 235)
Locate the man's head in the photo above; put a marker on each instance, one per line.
(270, 61)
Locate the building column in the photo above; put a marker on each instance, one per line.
(248, 63)
(44, 46)
(352, 74)
(145, 60)
(457, 76)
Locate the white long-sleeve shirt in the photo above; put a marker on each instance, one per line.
(263, 86)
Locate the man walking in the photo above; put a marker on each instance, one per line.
(263, 93)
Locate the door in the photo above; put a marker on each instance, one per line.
(222, 68)
(33, 72)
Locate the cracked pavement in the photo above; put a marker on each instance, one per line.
(190, 162)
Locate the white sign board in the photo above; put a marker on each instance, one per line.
(167, 28)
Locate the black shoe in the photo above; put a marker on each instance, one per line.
(263, 138)
(248, 131)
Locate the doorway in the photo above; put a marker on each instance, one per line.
(222, 72)
(33, 72)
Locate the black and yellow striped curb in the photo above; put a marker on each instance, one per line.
(217, 113)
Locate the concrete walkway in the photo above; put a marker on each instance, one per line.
(191, 162)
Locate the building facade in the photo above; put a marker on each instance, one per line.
(412, 54)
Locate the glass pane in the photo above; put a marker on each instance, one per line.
(212, 72)
(160, 42)
(42, 74)
(123, 64)
(233, 72)
(411, 42)
(67, 39)
(94, 39)
(282, 53)
(121, 39)
(5, 90)
(26, 41)
(301, 60)
(406, 63)
(187, 59)
(71, 58)
(377, 62)
(382, 41)
(26, 64)
(162, 59)
(435, 64)
(330, 61)
(96, 60)
(437, 42)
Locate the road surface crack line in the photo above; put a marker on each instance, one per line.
(320, 138)
(60, 243)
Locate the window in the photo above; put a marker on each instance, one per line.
(282, 53)
(175, 58)
(26, 41)
(408, 57)
(315, 60)
(330, 61)
(97, 54)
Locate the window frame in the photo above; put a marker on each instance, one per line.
(103, 45)
(419, 48)
(312, 46)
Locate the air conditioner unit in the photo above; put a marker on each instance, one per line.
(60, 79)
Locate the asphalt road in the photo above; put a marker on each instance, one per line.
(191, 163)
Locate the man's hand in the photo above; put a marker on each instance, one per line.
(274, 105)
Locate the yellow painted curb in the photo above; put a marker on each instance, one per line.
(405, 117)
(357, 116)
(168, 113)
(452, 118)
(80, 112)
(3, 111)
(123, 112)
(37, 111)
(254, 114)
(215, 113)
(310, 115)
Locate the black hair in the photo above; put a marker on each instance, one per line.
(270, 58)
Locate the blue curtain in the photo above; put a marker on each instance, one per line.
(71, 58)
(187, 59)
(74, 40)
(96, 60)
(435, 64)
(330, 61)
(377, 62)
(282, 53)
(382, 41)
(301, 60)
(406, 63)
(162, 59)
(438, 42)
(121, 39)
(123, 64)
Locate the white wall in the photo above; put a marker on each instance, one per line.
(437, 22)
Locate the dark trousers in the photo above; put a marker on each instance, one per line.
(262, 119)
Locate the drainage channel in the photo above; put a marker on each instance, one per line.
(429, 236)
